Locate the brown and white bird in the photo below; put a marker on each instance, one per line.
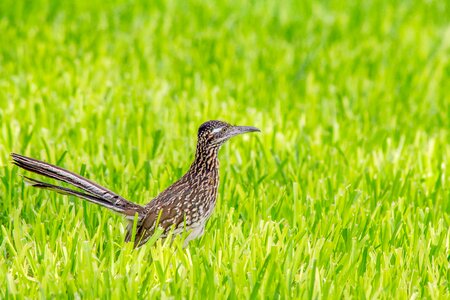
(186, 205)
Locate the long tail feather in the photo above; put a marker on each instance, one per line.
(61, 174)
(67, 191)
(93, 192)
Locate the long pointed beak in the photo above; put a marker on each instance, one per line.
(241, 129)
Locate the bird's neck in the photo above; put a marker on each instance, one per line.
(206, 161)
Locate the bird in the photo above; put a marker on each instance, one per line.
(183, 207)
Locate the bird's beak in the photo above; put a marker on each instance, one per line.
(241, 129)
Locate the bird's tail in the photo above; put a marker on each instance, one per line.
(92, 192)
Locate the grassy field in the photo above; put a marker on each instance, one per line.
(345, 193)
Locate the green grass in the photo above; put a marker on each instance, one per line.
(345, 193)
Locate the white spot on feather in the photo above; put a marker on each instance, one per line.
(216, 130)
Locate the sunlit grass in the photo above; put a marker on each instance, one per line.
(344, 193)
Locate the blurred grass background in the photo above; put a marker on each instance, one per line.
(345, 192)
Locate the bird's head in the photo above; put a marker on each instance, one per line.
(215, 133)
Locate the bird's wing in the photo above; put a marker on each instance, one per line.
(166, 217)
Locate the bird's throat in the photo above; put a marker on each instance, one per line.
(206, 160)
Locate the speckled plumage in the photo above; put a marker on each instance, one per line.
(186, 205)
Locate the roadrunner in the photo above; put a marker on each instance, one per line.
(186, 205)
